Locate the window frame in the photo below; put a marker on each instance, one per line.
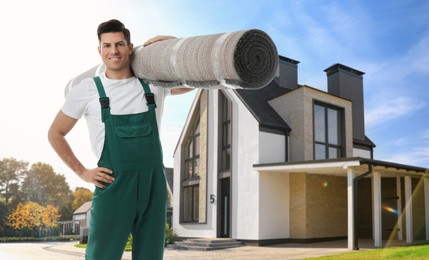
(340, 147)
(192, 180)
(225, 136)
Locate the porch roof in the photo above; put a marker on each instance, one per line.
(339, 167)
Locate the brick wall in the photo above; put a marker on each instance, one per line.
(318, 206)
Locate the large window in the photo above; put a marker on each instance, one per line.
(190, 179)
(193, 152)
(328, 128)
(191, 203)
(224, 133)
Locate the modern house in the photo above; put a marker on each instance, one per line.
(291, 163)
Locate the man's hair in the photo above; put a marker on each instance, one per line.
(113, 26)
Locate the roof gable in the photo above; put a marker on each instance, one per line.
(84, 208)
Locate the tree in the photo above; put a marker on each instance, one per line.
(44, 186)
(33, 216)
(27, 215)
(50, 217)
(80, 196)
(12, 172)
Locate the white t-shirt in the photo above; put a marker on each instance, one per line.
(126, 97)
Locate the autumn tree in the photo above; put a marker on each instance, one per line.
(80, 196)
(33, 216)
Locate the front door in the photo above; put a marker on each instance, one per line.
(225, 207)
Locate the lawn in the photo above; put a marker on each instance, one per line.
(404, 252)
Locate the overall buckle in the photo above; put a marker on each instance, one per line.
(104, 102)
(150, 98)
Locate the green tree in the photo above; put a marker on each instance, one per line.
(42, 185)
(12, 172)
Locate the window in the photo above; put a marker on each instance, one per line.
(191, 203)
(190, 177)
(224, 133)
(193, 152)
(328, 125)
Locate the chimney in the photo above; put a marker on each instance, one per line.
(347, 82)
(287, 73)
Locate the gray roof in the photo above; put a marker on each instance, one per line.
(257, 103)
(84, 208)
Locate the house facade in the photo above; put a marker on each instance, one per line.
(291, 163)
(82, 215)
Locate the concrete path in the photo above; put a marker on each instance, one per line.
(67, 251)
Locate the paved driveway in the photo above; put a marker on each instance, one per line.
(67, 251)
(34, 251)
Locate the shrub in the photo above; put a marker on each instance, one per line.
(170, 236)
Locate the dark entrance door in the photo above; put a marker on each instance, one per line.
(225, 207)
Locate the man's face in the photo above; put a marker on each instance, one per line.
(115, 51)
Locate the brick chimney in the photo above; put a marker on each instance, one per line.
(347, 82)
(287, 73)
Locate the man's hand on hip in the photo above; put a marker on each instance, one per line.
(96, 175)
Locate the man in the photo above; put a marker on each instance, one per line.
(122, 113)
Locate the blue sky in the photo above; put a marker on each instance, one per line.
(47, 42)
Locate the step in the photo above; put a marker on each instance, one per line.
(201, 244)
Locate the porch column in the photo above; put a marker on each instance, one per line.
(376, 179)
(399, 207)
(426, 183)
(409, 209)
(350, 209)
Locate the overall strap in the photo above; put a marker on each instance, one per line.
(104, 101)
(149, 96)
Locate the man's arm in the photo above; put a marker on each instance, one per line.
(60, 127)
(180, 90)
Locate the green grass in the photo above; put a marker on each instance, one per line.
(405, 252)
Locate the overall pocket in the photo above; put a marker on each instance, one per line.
(103, 209)
(134, 143)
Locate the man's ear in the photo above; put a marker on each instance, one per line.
(99, 50)
(131, 47)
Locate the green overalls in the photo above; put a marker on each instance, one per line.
(136, 200)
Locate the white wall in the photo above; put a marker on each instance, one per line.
(272, 147)
(245, 203)
(274, 206)
(207, 230)
(245, 181)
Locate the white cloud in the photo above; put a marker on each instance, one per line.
(390, 109)
(412, 149)
(418, 156)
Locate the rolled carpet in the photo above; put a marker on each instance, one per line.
(245, 59)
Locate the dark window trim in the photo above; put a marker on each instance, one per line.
(341, 130)
(224, 173)
(194, 179)
(193, 221)
(195, 133)
(221, 135)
